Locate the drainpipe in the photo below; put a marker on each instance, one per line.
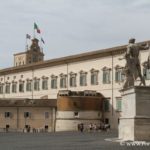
(4, 86)
(17, 118)
(112, 84)
(54, 118)
(112, 109)
(67, 76)
(32, 88)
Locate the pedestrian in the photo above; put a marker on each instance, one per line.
(81, 127)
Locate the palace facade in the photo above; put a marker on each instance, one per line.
(93, 72)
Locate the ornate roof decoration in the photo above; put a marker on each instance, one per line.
(83, 72)
(94, 70)
(106, 68)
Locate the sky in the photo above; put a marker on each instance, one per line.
(71, 26)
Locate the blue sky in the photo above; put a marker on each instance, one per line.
(71, 26)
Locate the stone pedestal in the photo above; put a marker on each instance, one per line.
(135, 121)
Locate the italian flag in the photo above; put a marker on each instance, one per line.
(36, 28)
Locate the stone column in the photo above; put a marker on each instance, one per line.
(135, 121)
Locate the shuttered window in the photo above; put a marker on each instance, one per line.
(118, 104)
(54, 83)
(1, 89)
(146, 73)
(106, 105)
(106, 76)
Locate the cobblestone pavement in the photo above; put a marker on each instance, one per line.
(62, 141)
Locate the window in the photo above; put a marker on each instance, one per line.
(46, 127)
(83, 78)
(45, 83)
(36, 84)
(106, 104)
(54, 82)
(8, 114)
(63, 81)
(118, 104)
(21, 86)
(146, 73)
(119, 76)
(1, 88)
(94, 77)
(35, 58)
(73, 79)
(27, 114)
(46, 115)
(7, 126)
(14, 87)
(106, 121)
(7, 88)
(28, 85)
(76, 114)
(106, 75)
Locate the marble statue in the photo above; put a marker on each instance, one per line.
(132, 68)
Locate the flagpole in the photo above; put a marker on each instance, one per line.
(41, 44)
(34, 32)
(26, 44)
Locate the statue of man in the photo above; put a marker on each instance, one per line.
(132, 68)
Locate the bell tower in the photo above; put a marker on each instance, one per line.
(34, 54)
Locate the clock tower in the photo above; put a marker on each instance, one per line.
(33, 55)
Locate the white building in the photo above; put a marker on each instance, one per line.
(99, 71)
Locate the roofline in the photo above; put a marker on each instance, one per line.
(20, 53)
(68, 59)
(12, 102)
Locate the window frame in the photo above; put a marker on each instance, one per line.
(94, 74)
(53, 82)
(45, 83)
(14, 87)
(119, 75)
(46, 115)
(27, 114)
(119, 99)
(7, 114)
(83, 76)
(73, 79)
(146, 73)
(1, 88)
(106, 104)
(7, 88)
(21, 86)
(63, 81)
(106, 75)
(36, 84)
(29, 85)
